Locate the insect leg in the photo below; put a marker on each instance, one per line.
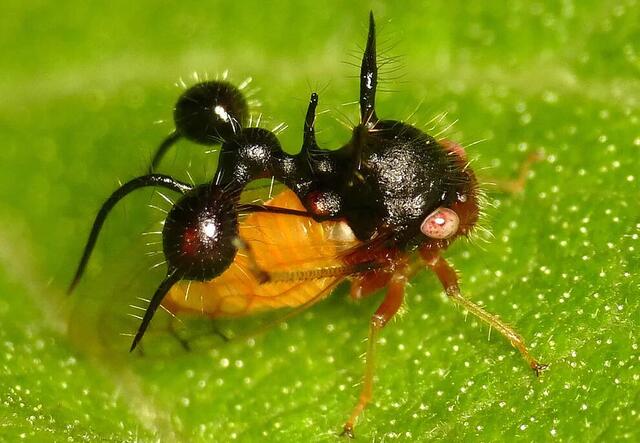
(175, 334)
(515, 186)
(390, 305)
(161, 180)
(224, 337)
(162, 150)
(449, 279)
(185, 342)
(367, 284)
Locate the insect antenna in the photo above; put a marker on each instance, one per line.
(369, 78)
(172, 278)
(137, 183)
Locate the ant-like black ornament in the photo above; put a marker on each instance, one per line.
(368, 212)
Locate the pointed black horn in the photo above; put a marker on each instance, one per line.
(369, 78)
(172, 278)
(309, 137)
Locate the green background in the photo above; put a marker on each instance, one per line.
(83, 83)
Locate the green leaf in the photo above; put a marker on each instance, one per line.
(81, 86)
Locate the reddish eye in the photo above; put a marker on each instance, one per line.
(441, 223)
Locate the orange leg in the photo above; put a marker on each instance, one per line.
(174, 333)
(516, 185)
(365, 285)
(449, 279)
(390, 305)
(356, 290)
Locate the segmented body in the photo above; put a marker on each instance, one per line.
(293, 249)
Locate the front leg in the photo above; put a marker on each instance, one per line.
(449, 279)
(389, 307)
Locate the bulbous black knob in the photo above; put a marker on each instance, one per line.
(210, 112)
(199, 233)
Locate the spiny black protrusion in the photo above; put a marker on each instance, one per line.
(319, 161)
(166, 284)
(309, 136)
(160, 180)
(369, 78)
(311, 154)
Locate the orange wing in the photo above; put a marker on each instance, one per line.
(282, 245)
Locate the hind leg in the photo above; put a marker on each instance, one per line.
(449, 279)
(385, 312)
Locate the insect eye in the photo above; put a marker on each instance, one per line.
(198, 234)
(210, 112)
(440, 224)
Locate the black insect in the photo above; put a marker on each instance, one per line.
(367, 211)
